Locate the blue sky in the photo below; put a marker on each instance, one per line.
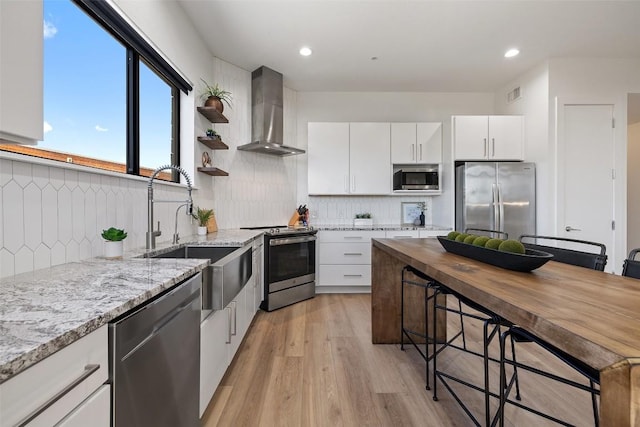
(85, 92)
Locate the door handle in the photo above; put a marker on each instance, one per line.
(485, 148)
(413, 151)
(569, 228)
(420, 152)
(493, 145)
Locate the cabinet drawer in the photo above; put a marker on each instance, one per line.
(345, 275)
(433, 233)
(349, 235)
(345, 253)
(94, 412)
(84, 361)
(402, 234)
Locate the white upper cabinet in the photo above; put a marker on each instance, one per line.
(488, 137)
(328, 158)
(429, 137)
(349, 158)
(21, 69)
(370, 158)
(416, 143)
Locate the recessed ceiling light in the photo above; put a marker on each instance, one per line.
(305, 51)
(511, 53)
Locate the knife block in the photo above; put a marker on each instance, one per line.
(295, 218)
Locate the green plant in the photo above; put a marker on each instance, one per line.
(212, 133)
(216, 91)
(363, 215)
(203, 216)
(423, 206)
(114, 234)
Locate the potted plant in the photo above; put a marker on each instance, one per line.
(203, 216)
(213, 134)
(363, 220)
(113, 246)
(214, 96)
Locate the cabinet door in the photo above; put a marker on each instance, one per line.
(328, 158)
(429, 142)
(370, 158)
(470, 137)
(21, 69)
(505, 137)
(403, 143)
(94, 412)
(214, 334)
(259, 276)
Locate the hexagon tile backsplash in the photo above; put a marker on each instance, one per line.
(51, 215)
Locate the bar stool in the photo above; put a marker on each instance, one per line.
(595, 259)
(631, 266)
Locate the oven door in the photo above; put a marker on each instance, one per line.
(291, 261)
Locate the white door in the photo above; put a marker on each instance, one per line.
(585, 175)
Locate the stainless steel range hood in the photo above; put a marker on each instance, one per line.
(266, 115)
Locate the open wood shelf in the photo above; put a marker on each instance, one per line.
(213, 143)
(213, 115)
(213, 171)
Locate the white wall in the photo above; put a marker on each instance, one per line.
(633, 189)
(384, 107)
(534, 106)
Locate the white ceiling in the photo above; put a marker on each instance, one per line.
(430, 46)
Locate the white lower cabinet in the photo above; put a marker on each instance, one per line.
(95, 411)
(220, 336)
(63, 384)
(345, 258)
(215, 335)
(258, 273)
(402, 234)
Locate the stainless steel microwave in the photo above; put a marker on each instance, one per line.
(423, 178)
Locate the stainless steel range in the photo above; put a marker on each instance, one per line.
(289, 265)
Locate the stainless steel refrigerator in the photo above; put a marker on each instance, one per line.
(496, 196)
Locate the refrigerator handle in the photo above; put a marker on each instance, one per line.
(496, 211)
(500, 207)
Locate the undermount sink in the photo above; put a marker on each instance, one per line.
(224, 278)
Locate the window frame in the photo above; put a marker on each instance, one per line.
(137, 50)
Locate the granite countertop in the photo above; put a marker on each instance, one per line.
(43, 311)
(385, 227)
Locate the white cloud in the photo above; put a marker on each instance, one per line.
(101, 129)
(47, 127)
(49, 30)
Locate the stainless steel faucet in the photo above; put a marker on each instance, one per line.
(151, 234)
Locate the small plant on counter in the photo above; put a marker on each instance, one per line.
(203, 216)
(363, 215)
(114, 234)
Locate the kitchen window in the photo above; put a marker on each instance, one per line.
(110, 100)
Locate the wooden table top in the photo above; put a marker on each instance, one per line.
(592, 315)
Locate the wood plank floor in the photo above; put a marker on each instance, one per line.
(313, 364)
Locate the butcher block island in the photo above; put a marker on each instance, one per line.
(591, 315)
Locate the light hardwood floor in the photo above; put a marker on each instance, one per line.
(313, 364)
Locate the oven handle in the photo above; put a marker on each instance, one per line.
(291, 240)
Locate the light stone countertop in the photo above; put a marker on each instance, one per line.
(43, 311)
(377, 227)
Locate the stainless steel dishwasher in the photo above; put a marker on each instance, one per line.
(154, 363)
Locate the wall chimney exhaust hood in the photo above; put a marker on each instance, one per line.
(266, 115)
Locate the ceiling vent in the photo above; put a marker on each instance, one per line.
(513, 95)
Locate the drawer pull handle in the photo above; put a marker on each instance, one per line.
(353, 237)
(352, 275)
(88, 370)
(353, 253)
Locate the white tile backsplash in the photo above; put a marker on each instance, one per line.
(50, 215)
